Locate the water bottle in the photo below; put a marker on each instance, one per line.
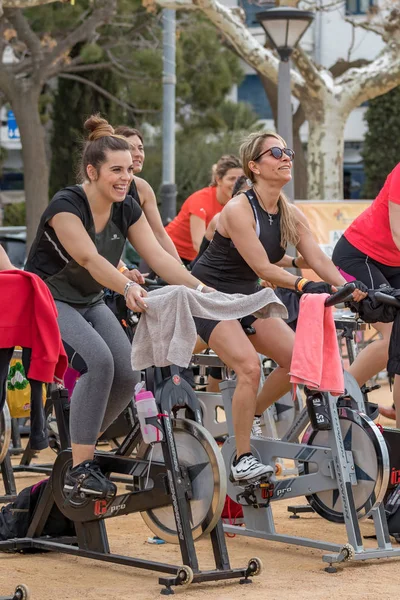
(146, 407)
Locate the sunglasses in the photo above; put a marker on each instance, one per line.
(277, 153)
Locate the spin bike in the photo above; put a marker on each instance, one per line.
(178, 485)
(344, 477)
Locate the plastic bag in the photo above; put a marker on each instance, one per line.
(19, 391)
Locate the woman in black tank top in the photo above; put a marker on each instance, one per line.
(142, 191)
(253, 232)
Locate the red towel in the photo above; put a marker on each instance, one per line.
(316, 360)
(28, 318)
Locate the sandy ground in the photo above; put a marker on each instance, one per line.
(290, 572)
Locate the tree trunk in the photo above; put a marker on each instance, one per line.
(25, 105)
(325, 151)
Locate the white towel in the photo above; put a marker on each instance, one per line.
(166, 333)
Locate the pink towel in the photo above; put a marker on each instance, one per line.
(316, 360)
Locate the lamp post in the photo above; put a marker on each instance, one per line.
(168, 186)
(284, 27)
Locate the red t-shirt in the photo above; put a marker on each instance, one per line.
(203, 204)
(370, 232)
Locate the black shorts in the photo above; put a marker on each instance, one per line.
(364, 268)
(205, 327)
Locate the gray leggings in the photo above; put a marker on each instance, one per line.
(99, 349)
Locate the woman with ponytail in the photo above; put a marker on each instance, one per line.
(76, 252)
(253, 232)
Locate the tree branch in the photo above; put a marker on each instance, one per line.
(376, 78)
(107, 94)
(239, 36)
(27, 3)
(25, 34)
(103, 11)
(80, 68)
(309, 71)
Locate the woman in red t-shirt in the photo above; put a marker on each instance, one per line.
(189, 226)
(369, 251)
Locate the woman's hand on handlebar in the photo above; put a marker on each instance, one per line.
(360, 292)
(318, 287)
(135, 298)
(321, 287)
(135, 276)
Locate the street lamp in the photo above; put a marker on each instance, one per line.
(285, 26)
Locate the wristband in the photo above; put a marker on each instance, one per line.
(294, 263)
(128, 285)
(300, 283)
(123, 268)
(200, 287)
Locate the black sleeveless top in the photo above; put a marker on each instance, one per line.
(133, 191)
(222, 266)
(67, 280)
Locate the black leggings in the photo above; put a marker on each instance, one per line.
(364, 268)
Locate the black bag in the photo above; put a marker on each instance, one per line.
(16, 517)
(392, 510)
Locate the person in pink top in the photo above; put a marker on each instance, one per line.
(369, 251)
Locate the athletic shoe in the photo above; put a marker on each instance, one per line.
(256, 430)
(87, 478)
(249, 469)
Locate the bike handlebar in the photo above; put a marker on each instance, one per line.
(341, 295)
(387, 299)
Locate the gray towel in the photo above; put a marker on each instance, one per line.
(166, 333)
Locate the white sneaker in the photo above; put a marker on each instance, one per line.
(256, 430)
(250, 469)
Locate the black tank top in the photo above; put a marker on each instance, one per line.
(133, 191)
(222, 266)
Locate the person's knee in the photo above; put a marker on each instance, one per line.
(249, 371)
(101, 365)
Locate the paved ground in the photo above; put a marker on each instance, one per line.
(290, 572)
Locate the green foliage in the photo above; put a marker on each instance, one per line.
(228, 116)
(91, 53)
(73, 103)
(205, 66)
(381, 151)
(14, 214)
(195, 155)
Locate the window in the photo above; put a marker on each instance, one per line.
(358, 7)
(251, 90)
(252, 7)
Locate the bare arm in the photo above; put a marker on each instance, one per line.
(315, 258)
(237, 222)
(142, 238)
(150, 209)
(5, 262)
(286, 262)
(212, 226)
(394, 220)
(197, 231)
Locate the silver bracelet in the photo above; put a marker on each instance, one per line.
(128, 285)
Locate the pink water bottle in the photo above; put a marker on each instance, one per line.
(146, 407)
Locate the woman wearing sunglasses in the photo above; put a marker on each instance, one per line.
(369, 250)
(252, 234)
